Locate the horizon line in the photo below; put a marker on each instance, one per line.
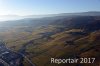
(45, 14)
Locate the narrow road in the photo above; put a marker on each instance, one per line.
(32, 64)
(22, 53)
(11, 58)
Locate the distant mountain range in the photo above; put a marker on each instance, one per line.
(70, 20)
(17, 17)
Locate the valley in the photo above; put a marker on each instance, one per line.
(60, 36)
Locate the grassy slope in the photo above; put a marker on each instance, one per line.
(84, 46)
(57, 44)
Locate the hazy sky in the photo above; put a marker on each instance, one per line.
(36, 7)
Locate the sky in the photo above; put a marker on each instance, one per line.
(38, 7)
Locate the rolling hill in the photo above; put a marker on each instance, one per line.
(66, 35)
